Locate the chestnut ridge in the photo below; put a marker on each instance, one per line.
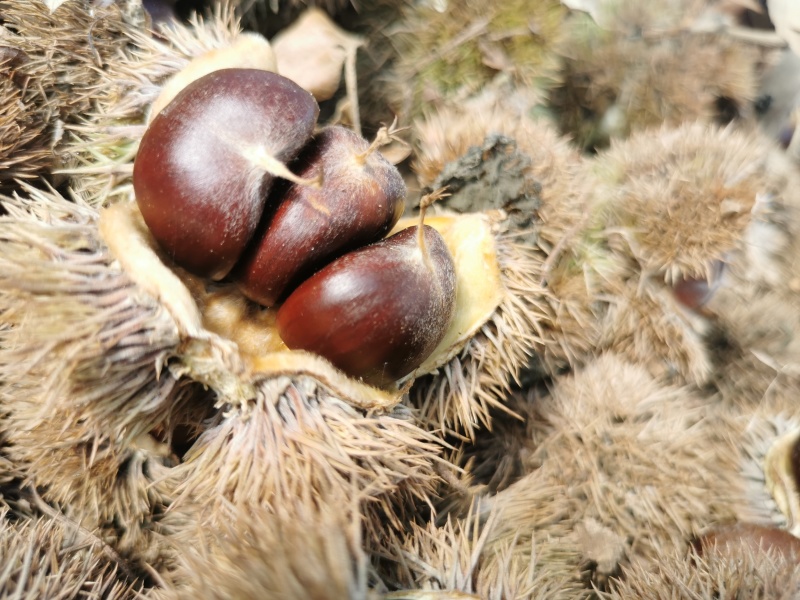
(262, 159)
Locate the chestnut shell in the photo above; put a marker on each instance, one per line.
(197, 177)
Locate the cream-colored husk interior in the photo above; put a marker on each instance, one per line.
(208, 313)
(471, 241)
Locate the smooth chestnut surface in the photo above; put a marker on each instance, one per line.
(199, 174)
(695, 292)
(378, 312)
(361, 199)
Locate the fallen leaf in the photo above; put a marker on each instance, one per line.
(312, 52)
(396, 152)
(785, 15)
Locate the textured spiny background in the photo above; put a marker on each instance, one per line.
(632, 387)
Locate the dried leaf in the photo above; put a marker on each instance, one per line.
(53, 4)
(785, 14)
(312, 52)
(396, 152)
(588, 6)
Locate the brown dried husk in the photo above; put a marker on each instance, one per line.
(104, 149)
(24, 144)
(616, 448)
(758, 363)
(650, 64)
(8, 473)
(308, 548)
(80, 364)
(93, 367)
(449, 51)
(459, 134)
(529, 181)
(295, 440)
(58, 59)
(99, 151)
(462, 393)
(633, 243)
(45, 558)
(650, 186)
(451, 560)
(771, 490)
(737, 574)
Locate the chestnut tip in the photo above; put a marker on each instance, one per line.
(749, 536)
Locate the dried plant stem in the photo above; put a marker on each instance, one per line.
(385, 135)
(273, 166)
(426, 201)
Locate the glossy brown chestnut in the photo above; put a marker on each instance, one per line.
(361, 198)
(378, 312)
(208, 160)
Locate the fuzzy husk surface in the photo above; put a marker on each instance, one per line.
(575, 444)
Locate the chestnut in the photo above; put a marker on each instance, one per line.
(756, 538)
(377, 312)
(207, 161)
(695, 292)
(361, 198)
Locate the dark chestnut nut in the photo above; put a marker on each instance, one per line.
(695, 292)
(361, 198)
(208, 160)
(692, 293)
(378, 312)
(756, 538)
